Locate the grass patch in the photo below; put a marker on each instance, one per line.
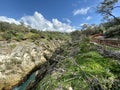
(87, 70)
(82, 71)
(13, 46)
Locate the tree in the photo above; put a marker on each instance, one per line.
(4, 26)
(75, 35)
(84, 26)
(106, 7)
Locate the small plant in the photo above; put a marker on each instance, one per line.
(13, 46)
(7, 35)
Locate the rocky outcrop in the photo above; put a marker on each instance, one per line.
(18, 59)
(46, 68)
(54, 67)
(108, 53)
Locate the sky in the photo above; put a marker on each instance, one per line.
(54, 15)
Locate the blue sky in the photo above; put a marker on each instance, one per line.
(50, 14)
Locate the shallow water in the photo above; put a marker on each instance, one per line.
(24, 85)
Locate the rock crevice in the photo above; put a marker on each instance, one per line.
(22, 59)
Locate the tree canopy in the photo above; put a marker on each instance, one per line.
(106, 7)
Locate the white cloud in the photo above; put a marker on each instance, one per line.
(37, 21)
(77, 27)
(82, 24)
(67, 20)
(57, 25)
(88, 18)
(9, 20)
(82, 11)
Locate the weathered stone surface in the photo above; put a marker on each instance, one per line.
(17, 62)
(108, 53)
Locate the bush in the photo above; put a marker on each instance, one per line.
(113, 32)
(19, 37)
(85, 45)
(34, 31)
(8, 35)
(33, 36)
(75, 35)
(12, 35)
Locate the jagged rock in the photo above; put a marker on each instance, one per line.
(19, 61)
(108, 53)
(74, 51)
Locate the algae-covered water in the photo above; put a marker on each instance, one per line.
(24, 85)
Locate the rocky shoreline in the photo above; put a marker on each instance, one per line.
(24, 59)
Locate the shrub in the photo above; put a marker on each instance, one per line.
(8, 35)
(19, 36)
(75, 35)
(113, 32)
(34, 31)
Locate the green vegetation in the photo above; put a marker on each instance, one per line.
(86, 70)
(110, 48)
(13, 46)
(106, 7)
(11, 32)
(82, 68)
(111, 26)
(113, 32)
(110, 29)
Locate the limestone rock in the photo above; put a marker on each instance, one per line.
(16, 63)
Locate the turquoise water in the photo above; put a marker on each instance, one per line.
(24, 85)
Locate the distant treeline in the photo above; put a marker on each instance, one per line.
(21, 32)
(110, 29)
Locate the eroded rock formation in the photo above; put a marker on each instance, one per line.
(18, 59)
